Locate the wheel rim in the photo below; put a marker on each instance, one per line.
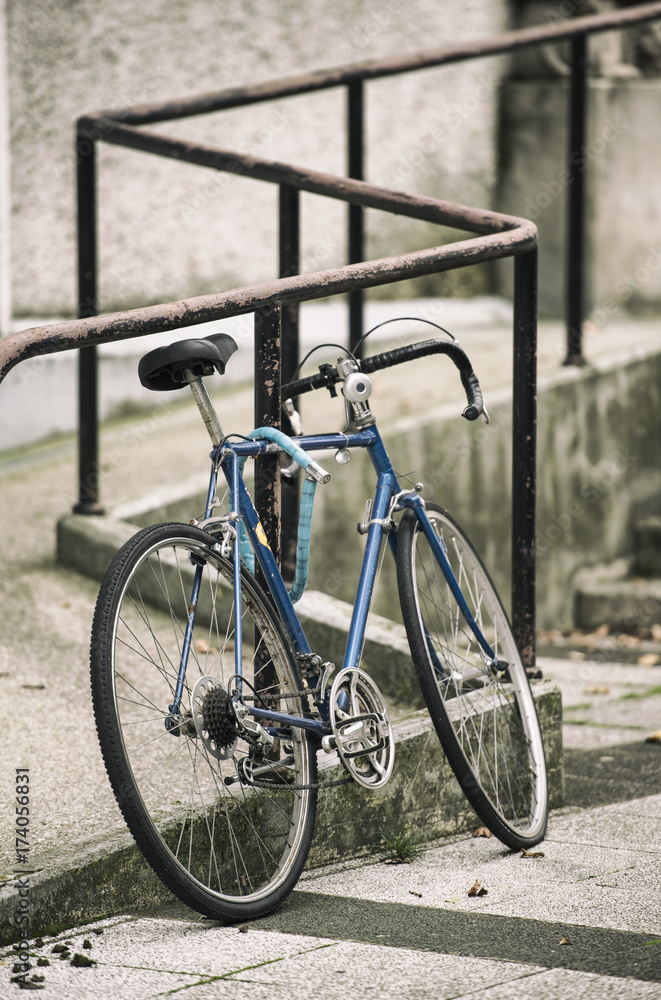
(235, 842)
(492, 715)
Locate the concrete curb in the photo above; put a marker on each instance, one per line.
(105, 875)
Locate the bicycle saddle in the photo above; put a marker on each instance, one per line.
(163, 368)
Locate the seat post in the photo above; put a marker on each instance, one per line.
(205, 406)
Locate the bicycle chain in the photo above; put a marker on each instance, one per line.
(298, 788)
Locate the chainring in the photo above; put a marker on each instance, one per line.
(361, 728)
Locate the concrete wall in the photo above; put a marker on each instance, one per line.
(599, 467)
(169, 230)
(619, 163)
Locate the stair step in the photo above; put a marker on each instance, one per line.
(647, 547)
(612, 595)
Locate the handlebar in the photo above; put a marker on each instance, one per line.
(328, 375)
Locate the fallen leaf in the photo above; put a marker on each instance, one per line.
(531, 854)
(481, 832)
(575, 655)
(477, 890)
(243, 929)
(656, 632)
(597, 689)
(564, 940)
(412, 892)
(655, 737)
(202, 646)
(648, 660)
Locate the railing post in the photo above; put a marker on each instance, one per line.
(524, 443)
(575, 239)
(267, 414)
(88, 429)
(356, 169)
(289, 263)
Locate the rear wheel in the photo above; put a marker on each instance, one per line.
(485, 718)
(225, 823)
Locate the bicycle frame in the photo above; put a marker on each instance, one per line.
(387, 488)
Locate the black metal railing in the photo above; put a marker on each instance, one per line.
(276, 304)
(123, 127)
(497, 236)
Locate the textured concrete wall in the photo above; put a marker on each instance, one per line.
(619, 164)
(169, 230)
(599, 468)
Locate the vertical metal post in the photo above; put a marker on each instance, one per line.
(356, 168)
(524, 444)
(88, 448)
(267, 414)
(575, 239)
(289, 263)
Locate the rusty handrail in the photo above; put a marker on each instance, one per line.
(375, 69)
(497, 236)
(508, 236)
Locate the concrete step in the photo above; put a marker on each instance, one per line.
(105, 874)
(647, 547)
(616, 596)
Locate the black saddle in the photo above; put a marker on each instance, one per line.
(164, 368)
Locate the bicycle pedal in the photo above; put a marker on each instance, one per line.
(370, 731)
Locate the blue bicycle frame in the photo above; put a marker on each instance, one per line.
(387, 487)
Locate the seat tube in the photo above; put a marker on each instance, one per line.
(384, 492)
(238, 636)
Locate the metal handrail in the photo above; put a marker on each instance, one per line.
(498, 236)
(354, 75)
(275, 303)
(375, 69)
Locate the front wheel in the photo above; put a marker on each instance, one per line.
(485, 718)
(225, 823)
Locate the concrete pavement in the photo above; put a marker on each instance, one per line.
(581, 919)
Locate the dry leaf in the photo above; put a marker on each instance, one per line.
(597, 689)
(477, 890)
(656, 632)
(564, 940)
(243, 929)
(655, 737)
(531, 854)
(412, 892)
(202, 645)
(575, 655)
(481, 832)
(648, 660)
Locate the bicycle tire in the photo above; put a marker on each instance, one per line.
(228, 849)
(486, 720)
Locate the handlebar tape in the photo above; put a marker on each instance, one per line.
(328, 377)
(456, 354)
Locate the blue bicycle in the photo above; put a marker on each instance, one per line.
(211, 707)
